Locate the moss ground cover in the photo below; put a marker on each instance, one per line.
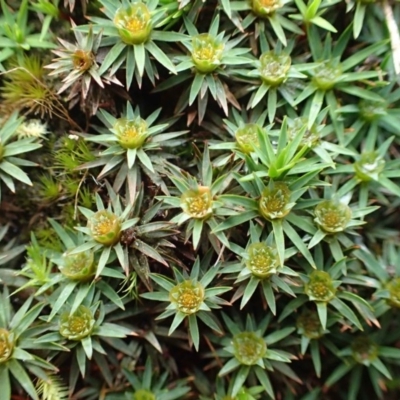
(199, 200)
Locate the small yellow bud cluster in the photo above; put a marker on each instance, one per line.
(249, 348)
(187, 296)
(320, 287)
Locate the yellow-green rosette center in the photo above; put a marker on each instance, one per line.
(364, 350)
(207, 52)
(143, 394)
(197, 203)
(78, 325)
(131, 134)
(320, 287)
(6, 345)
(275, 201)
(274, 68)
(394, 292)
(187, 296)
(133, 23)
(326, 75)
(82, 60)
(249, 348)
(264, 8)
(372, 110)
(310, 137)
(332, 216)
(262, 260)
(247, 138)
(309, 325)
(105, 227)
(369, 166)
(78, 267)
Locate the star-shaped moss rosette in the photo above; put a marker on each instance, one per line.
(372, 171)
(259, 267)
(132, 29)
(18, 337)
(367, 116)
(199, 201)
(247, 351)
(132, 143)
(77, 65)
(274, 75)
(211, 60)
(84, 329)
(266, 14)
(335, 218)
(332, 74)
(10, 150)
(190, 298)
(322, 286)
(75, 278)
(314, 337)
(149, 385)
(274, 204)
(238, 133)
(375, 352)
(104, 229)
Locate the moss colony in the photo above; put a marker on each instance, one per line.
(200, 200)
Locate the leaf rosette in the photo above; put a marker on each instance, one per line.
(249, 348)
(133, 23)
(143, 394)
(197, 203)
(263, 8)
(320, 287)
(332, 216)
(82, 60)
(131, 134)
(78, 325)
(105, 227)
(263, 260)
(187, 296)
(247, 137)
(275, 201)
(309, 325)
(311, 136)
(369, 166)
(274, 68)
(371, 111)
(78, 267)
(6, 345)
(326, 75)
(364, 350)
(207, 52)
